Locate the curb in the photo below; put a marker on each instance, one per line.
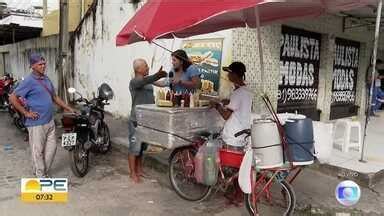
(368, 180)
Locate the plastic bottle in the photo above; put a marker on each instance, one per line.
(210, 173)
(196, 99)
(199, 165)
(186, 99)
(161, 94)
(210, 164)
(191, 100)
(174, 99)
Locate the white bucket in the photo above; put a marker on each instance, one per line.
(267, 144)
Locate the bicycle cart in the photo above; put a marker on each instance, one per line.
(185, 130)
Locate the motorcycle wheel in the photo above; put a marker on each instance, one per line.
(79, 159)
(19, 122)
(2, 103)
(106, 146)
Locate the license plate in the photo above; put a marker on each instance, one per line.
(68, 139)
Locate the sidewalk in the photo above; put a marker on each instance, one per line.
(314, 190)
(368, 172)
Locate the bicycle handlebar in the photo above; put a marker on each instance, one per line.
(246, 131)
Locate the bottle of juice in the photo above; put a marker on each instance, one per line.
(178, 99)
(174, 100)
(168, 96)
(191, 100)
(186, 99)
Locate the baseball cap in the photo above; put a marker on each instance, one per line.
(35, 58)
(236, 67)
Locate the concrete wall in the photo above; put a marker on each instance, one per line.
(98, 60)
(16, 56)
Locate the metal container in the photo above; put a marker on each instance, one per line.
(267, 144)
(162, 139)
(167, 126)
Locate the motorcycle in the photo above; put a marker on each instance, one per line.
(86, 131)
(18, 118)
(6, 85)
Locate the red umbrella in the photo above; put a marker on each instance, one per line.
(175, 18)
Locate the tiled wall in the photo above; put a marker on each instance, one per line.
(331, 27)
(245, 49)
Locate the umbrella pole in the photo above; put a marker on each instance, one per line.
(261, 55)
(165, 48)
(153, 57)
(373, 78)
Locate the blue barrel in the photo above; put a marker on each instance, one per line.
(299, 133)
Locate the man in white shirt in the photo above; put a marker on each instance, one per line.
(236, 111)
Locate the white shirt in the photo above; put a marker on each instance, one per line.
(240, 119)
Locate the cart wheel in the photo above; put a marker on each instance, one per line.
(181, 175)
(282, 199)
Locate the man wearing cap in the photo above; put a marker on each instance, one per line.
(237, 111)
(40, 95)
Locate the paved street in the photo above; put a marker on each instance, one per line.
(106, 190)
(311, 58)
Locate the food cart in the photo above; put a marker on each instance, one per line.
(173, 127)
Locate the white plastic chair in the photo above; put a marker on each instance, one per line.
(345, 140)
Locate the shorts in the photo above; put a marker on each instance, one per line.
(134, 147)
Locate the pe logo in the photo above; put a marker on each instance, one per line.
(44, 190)
(347, 193)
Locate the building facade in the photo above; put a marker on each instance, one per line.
(311, 66)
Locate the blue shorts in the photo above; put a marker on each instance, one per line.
(134, 147)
